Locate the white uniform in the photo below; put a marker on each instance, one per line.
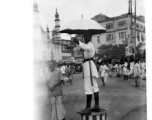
(143, 68)
(125, 68)
(103, 70)
(115, 69)
(137, 70)
(89, 52)
(131, 67)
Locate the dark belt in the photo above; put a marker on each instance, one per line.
(88, 59)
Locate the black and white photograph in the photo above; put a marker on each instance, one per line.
(89, 60)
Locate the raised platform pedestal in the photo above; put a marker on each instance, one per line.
(102, 115)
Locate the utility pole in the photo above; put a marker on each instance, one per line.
(131, 18)
(130, 41)
(135, 30)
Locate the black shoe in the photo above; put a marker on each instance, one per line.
(95, 109)
(86, 111)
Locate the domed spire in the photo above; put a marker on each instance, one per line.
(56, 15)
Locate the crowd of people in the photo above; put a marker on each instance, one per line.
(134, 69)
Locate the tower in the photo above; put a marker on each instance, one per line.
(57, 24)
(130, 7)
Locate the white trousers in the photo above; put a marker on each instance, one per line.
(89, 89)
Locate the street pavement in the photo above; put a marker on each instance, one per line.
(121, 99)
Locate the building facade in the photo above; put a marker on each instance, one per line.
(118, 30)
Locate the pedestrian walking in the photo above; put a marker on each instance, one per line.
(103, 70)
(68, 74)
(54, 82)
(115, 69)
(128, 71)
(125, 70)
(143, 68)
(131, 68)
(90, 74)
(119, 70)
(137, 73)
(110, 69)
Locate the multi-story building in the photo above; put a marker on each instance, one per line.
(118, 30)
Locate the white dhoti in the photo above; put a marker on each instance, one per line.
(89, 89)
(57, 110)
(105, 77)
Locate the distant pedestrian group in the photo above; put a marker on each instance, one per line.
(135, 69)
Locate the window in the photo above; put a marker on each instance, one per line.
(122, 24)
(122, 35)
(137, 26)
(109, 37)
(109, 26)
(142, 27)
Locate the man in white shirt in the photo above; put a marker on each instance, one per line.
(115, 69)
(103, 73)
(90, 74)
(131, 67)
(137, 73)
(143, 68)
(125, 70)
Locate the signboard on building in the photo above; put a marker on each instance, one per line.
(66, 58)
(131, 50)
(127, 51)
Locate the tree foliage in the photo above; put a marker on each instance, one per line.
(111, 51)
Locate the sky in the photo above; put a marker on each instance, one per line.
(74, 9)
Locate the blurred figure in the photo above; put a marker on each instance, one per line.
(143, 68)
(63, 66)
(68, 74)
(131, 67)
(128, 71)
(125, 70)
(54, 80)
(110, 69)
(119, 70)
(137, 73)
(103, 70)
(115, 69)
